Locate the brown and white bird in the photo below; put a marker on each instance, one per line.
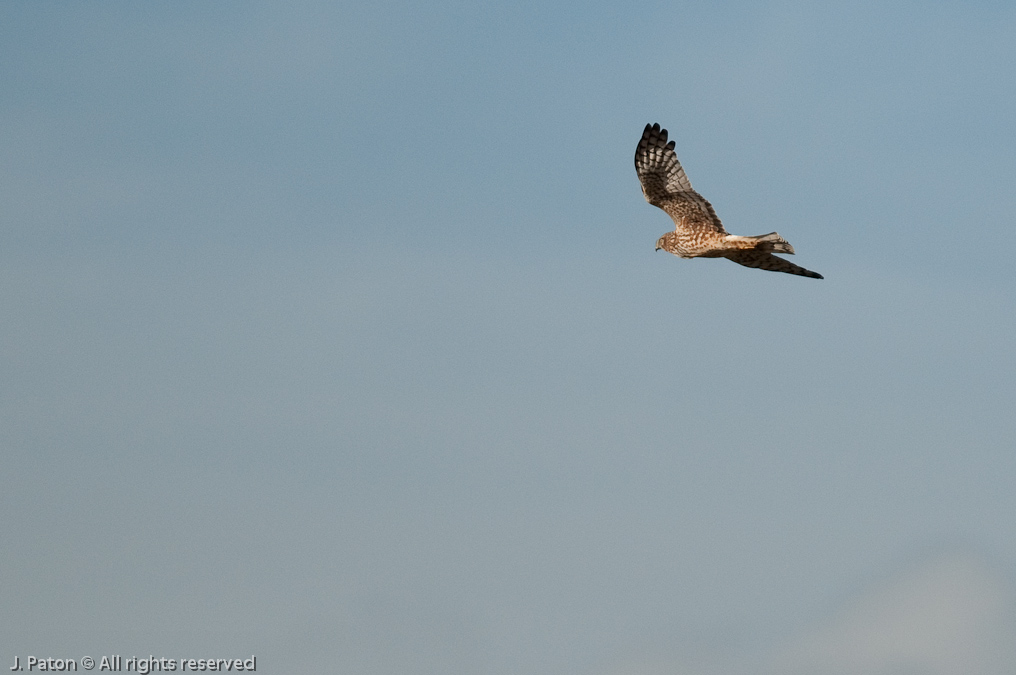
(699, 232)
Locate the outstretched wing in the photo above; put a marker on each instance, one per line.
(666, 185)
(768, 261)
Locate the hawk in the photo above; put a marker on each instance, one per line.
(699, 232)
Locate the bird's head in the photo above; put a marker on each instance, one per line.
(661, 241)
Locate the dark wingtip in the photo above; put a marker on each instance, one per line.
(657, 130)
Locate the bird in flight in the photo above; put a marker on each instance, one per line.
(699, 232)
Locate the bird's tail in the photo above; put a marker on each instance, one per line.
(767, 243)
(772, 243)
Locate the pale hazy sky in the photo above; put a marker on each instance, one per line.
(333, 333)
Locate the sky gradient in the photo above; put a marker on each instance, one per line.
(334, 334)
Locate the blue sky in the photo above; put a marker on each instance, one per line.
(335, 335)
